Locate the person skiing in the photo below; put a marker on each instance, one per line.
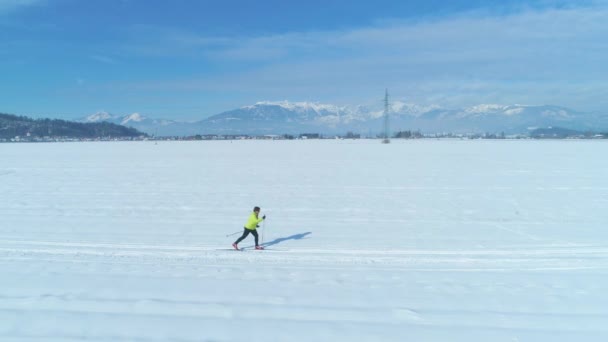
(250, 227)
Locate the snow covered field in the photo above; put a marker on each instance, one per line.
(412, 241)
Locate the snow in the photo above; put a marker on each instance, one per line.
(300, 106)
(514, 111)
(123, 120)
(409, 109)
(135, 117)
(335, 114)
(98, 117)
(484, 108)
(422, 240)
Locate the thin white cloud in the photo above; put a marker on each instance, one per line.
(7, 6)
(153, 41)
(534, 56)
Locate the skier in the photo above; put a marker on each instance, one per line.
(250, 227)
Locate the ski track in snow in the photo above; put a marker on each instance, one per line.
(333, 269)
(481, 241)
(547, 257)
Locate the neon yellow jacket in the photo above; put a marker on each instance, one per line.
(253, 221)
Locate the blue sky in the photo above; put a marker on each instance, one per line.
(191, 59)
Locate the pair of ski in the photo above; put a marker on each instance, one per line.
(249, 249)
(260, 248)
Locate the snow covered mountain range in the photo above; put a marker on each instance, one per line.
(306, 117)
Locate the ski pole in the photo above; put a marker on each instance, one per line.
(263, 230)
(233, 233)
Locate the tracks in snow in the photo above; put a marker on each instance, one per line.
(549, 257)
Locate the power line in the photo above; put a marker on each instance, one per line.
(386, 139)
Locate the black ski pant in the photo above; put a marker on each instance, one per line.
(245, 233)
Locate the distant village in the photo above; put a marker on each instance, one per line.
(17, 129)
(539, 134)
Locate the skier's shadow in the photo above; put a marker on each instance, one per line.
(293, 237)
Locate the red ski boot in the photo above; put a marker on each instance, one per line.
(259, 247)
(235, 246)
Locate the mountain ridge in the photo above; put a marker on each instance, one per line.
(285, 117)
(12, 126)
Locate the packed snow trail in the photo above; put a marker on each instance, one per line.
(416, 240)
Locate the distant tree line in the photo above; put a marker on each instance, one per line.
(12, 126)
(408, 135)
(563, 133)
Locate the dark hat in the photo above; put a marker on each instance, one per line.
(256, 209)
